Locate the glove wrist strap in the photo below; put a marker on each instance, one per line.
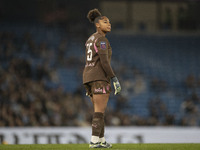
(114, 79)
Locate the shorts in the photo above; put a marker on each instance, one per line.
(97, 87)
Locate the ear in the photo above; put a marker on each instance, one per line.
(97, 25)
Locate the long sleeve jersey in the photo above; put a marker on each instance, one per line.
(98, 56)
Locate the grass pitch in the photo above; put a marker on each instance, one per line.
(115, 147)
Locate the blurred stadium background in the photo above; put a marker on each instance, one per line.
(156, 56)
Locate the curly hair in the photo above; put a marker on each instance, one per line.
(93, 15)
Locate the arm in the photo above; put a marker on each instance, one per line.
(102, 49)
(102, 45)
(107, 68)
(106, 65)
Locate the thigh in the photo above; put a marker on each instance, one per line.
(99, 92)
(100, 102)
(100, 95)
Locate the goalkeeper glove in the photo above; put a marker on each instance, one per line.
(116, 85)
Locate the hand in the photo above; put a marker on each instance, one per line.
(116, 85)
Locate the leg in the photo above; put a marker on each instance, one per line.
(99, 99)
(99, 92)
(100, 102)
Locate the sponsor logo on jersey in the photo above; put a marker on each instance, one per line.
(90, 64)
(103, 45)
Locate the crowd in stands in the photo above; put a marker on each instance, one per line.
(26, 99)
(31, 93)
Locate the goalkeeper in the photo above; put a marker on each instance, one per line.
(98, 74)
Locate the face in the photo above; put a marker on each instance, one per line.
(104, 25)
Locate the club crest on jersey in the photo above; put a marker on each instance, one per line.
(103, 45)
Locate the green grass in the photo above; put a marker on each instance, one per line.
(115, 147)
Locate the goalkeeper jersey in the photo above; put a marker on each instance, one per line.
(97, 57)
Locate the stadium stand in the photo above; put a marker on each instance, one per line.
(41, 78)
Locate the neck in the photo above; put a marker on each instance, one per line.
(101, 32)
